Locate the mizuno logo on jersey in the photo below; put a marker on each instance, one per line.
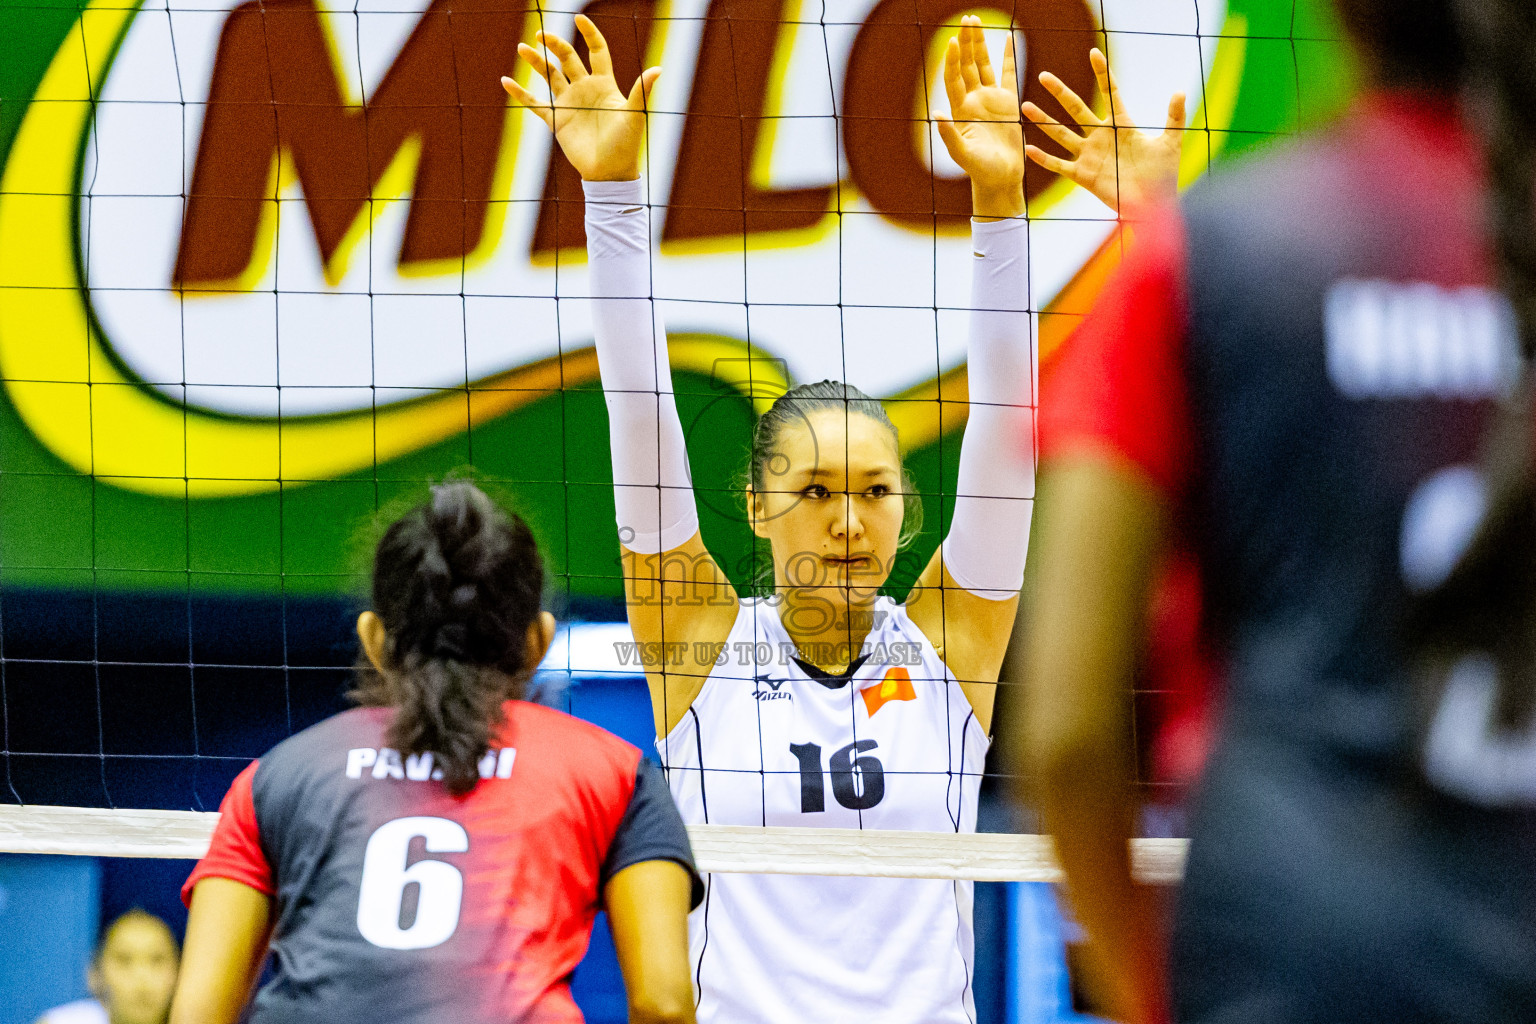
(386, 763)
(1404, 340)
(897, 685)
(773, 692)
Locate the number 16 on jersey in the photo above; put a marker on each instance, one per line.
(858, 778)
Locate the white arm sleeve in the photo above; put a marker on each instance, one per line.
(652, 489)
(995, 493)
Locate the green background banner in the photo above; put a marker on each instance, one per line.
(61, 528)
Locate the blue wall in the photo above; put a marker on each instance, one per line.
(48, 917)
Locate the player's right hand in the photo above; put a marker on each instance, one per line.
(982, 130)
(600, 130)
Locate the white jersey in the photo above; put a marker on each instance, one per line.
(81, 1011)
(895, 747)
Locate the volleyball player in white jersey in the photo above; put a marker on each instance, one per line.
(826, 704)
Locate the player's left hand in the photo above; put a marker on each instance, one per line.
(1113, 159)
(982, 131)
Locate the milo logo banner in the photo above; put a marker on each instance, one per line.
(266, 265)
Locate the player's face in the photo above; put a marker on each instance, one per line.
(832, 506)
(136, 974)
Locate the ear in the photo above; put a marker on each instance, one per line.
(93, 982)
(757, 515)
(541, 633)
(370, 630)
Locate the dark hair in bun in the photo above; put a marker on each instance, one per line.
(456, 582)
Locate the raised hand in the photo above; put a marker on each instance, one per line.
(983, 132)
(1114, 160)
(600, 130)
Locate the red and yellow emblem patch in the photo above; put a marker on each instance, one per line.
(897, 685)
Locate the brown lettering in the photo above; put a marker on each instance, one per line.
(275, 95)
(886, 77)
(626, 24)
(712, 190)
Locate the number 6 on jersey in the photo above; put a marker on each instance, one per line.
(386, 876)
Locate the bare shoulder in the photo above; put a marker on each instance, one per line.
(679, 595)
(681, 606)
(970, 633)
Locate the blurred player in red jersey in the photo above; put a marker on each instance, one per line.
(439, 854)
(1299, 368)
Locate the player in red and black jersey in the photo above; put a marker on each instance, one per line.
(1298, 369)
(439, 853)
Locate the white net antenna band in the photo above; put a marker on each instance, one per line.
(981, 857)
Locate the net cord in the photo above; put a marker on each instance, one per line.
(725, 849)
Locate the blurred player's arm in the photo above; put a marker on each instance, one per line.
(648, 907)
(1100, 533)
(228, 926)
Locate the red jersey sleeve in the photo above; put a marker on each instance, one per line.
(1119, 384)
(235, 852)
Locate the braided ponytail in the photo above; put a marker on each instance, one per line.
(456, 583)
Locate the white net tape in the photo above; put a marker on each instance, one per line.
(982, 857)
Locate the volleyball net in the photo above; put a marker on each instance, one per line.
(869, 853)
(248, 306)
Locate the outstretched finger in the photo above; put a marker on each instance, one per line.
(954, 86)
(1057, 132)
(1175, 113)
(968, 55)
(558, 83)
(1054, 164)
(597, 46)
(523, 97)
(1110, 88)
(1010, 69)
(1070, 101)
(535, 60)
(983, 58)
(540, 63)
(565, 53)
(640, 93)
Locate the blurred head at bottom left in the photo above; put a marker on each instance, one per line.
(131, 977)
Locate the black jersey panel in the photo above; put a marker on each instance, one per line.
(652, 830)
(1301, 488)
(1319, 891)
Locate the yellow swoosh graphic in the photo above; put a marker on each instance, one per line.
(78, 401)
(1207, 134)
